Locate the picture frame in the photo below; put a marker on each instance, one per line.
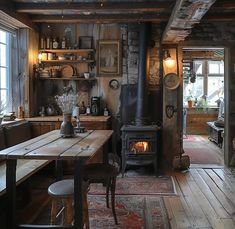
(85, 42)
(108, 58)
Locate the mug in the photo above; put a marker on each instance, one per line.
(86, 75)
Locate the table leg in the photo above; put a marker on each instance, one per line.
(58, 169)
(78, 197)
(106, 153)
(11, 193)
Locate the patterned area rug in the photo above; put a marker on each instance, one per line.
(137, 203)
(139, 186)
(133, 212)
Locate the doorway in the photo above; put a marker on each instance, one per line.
(203, 105)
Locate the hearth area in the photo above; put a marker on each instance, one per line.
(139, 141)
(139, 146)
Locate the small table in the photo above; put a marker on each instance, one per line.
(51, 146)
(215, 133)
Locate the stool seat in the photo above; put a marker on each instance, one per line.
(61, 188)
(63, 192)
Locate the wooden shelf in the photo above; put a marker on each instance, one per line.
(67, 78)
(67, 61)
(66, 50)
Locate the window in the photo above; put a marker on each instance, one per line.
(5, 67)
(207, 88)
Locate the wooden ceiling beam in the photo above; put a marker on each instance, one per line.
(224, 4)
(117, 18)
(184, 16)
(218, 17)
(152, 6)
(8, 8)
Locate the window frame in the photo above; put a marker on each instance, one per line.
(206, 75)
(7, 66)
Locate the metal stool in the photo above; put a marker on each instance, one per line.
(105, 174)
(63, 192)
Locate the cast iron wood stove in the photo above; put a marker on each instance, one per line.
(139, 141)
(139, 145)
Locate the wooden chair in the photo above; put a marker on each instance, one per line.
(105, 174)
(62, 201)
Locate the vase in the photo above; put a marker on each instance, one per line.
(66, 128)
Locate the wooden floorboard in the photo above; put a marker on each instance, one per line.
(205, 199)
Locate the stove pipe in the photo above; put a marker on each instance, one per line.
(141, 106)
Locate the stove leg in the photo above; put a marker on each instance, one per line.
(123, 163)
(155, 166)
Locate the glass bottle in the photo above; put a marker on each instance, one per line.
(42, 43)
(63, 43)
(106, 111)
(82, 108)
(48, 41)
(88, 110)
(55, 44)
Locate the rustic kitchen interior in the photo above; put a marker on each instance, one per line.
(145, 85)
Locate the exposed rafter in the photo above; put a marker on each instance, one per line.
(185, 15)
(8, 8)
(93, 7)
(114, 18)
(212, 17)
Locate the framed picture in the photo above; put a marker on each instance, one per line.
(108, 58)
(85, 42)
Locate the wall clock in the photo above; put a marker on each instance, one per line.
(114, 84)
(171, 81)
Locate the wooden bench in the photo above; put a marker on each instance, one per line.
(11, 135)
(25, 169)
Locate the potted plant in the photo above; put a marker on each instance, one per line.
(189, 99)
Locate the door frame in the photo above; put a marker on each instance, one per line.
(226, 142)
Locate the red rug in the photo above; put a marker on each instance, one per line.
(203, 156)
(202, 151)
(139, 186)
(193, 138)
(133, 212)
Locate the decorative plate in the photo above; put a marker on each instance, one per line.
(171, 81)
(67, 71)
(114, 84)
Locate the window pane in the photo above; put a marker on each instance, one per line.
(3, 82)
(2, 55)
(193, 90)
(5, 47)
(3, 96)
(216, 67)
(215, 90)
(3, 36)
(198, 67)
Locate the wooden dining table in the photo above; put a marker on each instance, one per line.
(51, 146)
